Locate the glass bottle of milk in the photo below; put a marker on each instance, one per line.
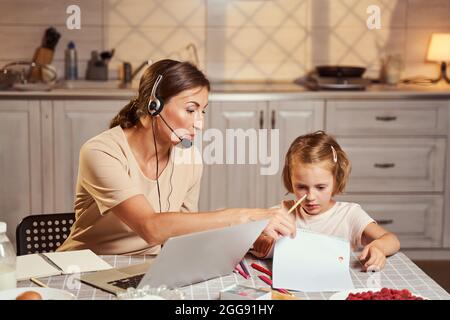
(7, 261)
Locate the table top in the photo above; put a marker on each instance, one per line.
(399, 273)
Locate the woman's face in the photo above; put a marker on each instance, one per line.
(317, 182)
(185, 113)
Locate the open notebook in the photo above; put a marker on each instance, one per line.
(55, 263)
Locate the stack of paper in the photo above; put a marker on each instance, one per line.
(56, 263)
(312, 262)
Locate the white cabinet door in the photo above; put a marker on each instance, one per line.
(387, 117)
(292, 119)
(232, 184)
(20, 162)
(75, 122)
(416, 220)
(395, 164)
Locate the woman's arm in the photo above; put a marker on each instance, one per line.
(379, 243)
(156, 228)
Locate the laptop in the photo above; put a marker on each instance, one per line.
(184, 260)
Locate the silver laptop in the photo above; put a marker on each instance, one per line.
(184, 260)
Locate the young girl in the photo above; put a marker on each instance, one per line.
(317, 166)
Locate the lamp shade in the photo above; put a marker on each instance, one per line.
(439, 48)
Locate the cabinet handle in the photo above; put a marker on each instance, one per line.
(386, 118)
(385, 221)
(384, 165)
(273, 119)
(261, 119)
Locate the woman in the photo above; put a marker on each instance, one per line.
(132, 191)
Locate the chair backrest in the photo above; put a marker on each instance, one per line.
(39, 233)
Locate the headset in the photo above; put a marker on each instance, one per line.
(154, 107)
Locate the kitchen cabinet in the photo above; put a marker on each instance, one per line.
(395, 164)
(387, 117)
(233, 185)
(20, 161)
(244, 185)
(415, 219)
(75, 122)
(398, 150)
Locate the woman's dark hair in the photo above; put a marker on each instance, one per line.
(177, 77)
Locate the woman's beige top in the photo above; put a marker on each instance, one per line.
(109, 174)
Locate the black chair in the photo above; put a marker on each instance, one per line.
(43, 232)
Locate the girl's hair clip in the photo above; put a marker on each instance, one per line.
(334, 154)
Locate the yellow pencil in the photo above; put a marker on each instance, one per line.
(39, 283)
(297, 203)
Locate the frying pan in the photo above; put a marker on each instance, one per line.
(340, 71)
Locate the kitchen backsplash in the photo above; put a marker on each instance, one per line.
(235, 39)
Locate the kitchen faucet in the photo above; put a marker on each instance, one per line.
(143, 64)
(194, 49)
(128, 76)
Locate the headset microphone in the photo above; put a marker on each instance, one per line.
(186, 143)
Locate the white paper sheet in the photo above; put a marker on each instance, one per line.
(34, 266)
(77, 261)
(312, 262)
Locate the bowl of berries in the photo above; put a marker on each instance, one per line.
(376, 294)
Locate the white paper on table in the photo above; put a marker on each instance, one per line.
(312, 262)
(77, 261)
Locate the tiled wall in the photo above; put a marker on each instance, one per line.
(235, 39)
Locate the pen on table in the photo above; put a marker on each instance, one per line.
(244, 267)
(39, 283)
(260, 268)
(269, 282)
(242, 273)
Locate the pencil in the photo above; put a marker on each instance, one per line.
(39, 283)
(244, 267)
(242, 273)
(269, 282)
(262, 269)
(297, 203)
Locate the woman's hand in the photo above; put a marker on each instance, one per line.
(374, 258)
(281, 223)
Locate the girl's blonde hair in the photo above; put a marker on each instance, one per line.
(313, 148)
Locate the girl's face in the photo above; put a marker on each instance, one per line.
(185, 113)
(317, 182)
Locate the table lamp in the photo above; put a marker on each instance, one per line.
(439, 51)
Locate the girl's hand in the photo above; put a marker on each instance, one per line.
(262, 246)
(281, 224)
(374, 258)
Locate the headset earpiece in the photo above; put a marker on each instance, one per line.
(155, 104)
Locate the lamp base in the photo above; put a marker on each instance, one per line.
(443, 75)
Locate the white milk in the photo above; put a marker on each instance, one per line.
(7, 277)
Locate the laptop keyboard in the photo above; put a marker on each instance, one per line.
(130, 282)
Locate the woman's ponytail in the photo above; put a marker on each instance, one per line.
(127, 116)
